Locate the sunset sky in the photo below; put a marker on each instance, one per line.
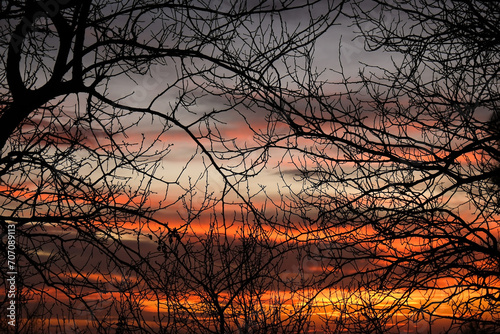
(188, 192)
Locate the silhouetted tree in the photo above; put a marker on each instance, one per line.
(397, 170)
(111, 232)
(388, 220)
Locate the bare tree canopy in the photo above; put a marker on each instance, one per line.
(189, 167)
(117, 230)
(399, 172)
